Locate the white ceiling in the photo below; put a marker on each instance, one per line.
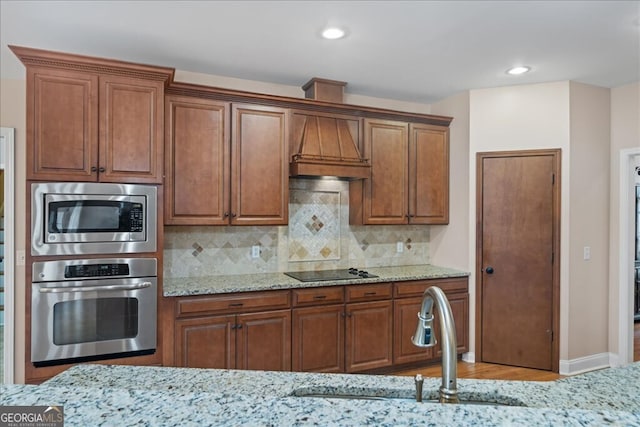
(419, 51)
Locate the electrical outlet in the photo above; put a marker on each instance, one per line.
(255, 251)
(20, 258)
(586, 253)
(399, 247)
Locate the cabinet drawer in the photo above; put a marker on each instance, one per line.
(358, 293)
(318, 296)
(233, 303)
(414, 288)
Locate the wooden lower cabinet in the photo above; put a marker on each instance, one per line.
(318, 339)
(369, 335)
(207, 342)
(351, 337)
(405, 321)
(333, 329)
(258, 341)
(407, 304)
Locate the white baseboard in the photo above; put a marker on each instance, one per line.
(586, 364)
(469, 357)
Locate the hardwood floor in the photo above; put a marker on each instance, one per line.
(486, 371)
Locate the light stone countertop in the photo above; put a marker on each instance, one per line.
(102, 395)
(173, 287)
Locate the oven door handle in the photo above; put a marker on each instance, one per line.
(96, 288)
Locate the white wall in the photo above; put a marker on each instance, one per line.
(589, 222)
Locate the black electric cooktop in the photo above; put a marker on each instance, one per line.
(324, 275)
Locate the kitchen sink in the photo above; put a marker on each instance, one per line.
(381, 394)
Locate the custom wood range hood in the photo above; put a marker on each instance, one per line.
(326, 145)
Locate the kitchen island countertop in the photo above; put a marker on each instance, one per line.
(102, 395)
(207, 285)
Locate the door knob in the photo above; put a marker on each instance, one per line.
(489, 270)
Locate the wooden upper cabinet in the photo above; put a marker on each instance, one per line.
(88, 127)
(131, 130)
(259, 165)
(409, 181)
(197, 160)
(93, 119)
(62, 124)
(225, 164)
(428, 174)
(385, 196)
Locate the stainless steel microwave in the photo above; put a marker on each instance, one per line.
(79, 218)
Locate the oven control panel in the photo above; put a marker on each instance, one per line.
(92, 269)
(96, 270)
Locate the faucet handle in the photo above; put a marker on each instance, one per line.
(419, 381)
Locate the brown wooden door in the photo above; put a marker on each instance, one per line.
(62, 125)
(369, 335)
(197, 158)
(131, 130)
(428, 174)
(264, 341)
(259, 166)
(318, 339)
(207, 342)
(385, 193)
(518, 222)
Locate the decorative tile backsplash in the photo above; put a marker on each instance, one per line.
(318, 237)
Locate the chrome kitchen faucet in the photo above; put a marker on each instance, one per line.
(425, 337)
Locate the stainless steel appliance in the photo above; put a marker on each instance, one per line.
(77, 218)
(326, 275)
(92, 309)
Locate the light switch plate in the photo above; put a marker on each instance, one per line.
(399, 247)
(586, 253)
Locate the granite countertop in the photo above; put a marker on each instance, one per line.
(173, 287)
(100, 395)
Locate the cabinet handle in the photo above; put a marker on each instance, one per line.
(239, 326)
(234, 326)
(319, 297)
(101, 170)
(236, 304)
(369, 294)
(348, 314)
(225, 215)
(233, 215)
(94, 169)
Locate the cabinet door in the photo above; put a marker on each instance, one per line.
(62, 125)
(197, 161)
(428, 174)
(264, 341)
(405, 322)
(131, 130)
(369, 333)
(318, 339)
(385, 193)
(459, 303)
(259, 166)
(207, 342)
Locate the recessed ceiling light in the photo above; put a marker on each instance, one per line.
(516, 71)
(333, 33)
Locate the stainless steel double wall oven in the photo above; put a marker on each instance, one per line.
(86, 308)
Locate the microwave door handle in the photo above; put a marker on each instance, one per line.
(96, 288)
